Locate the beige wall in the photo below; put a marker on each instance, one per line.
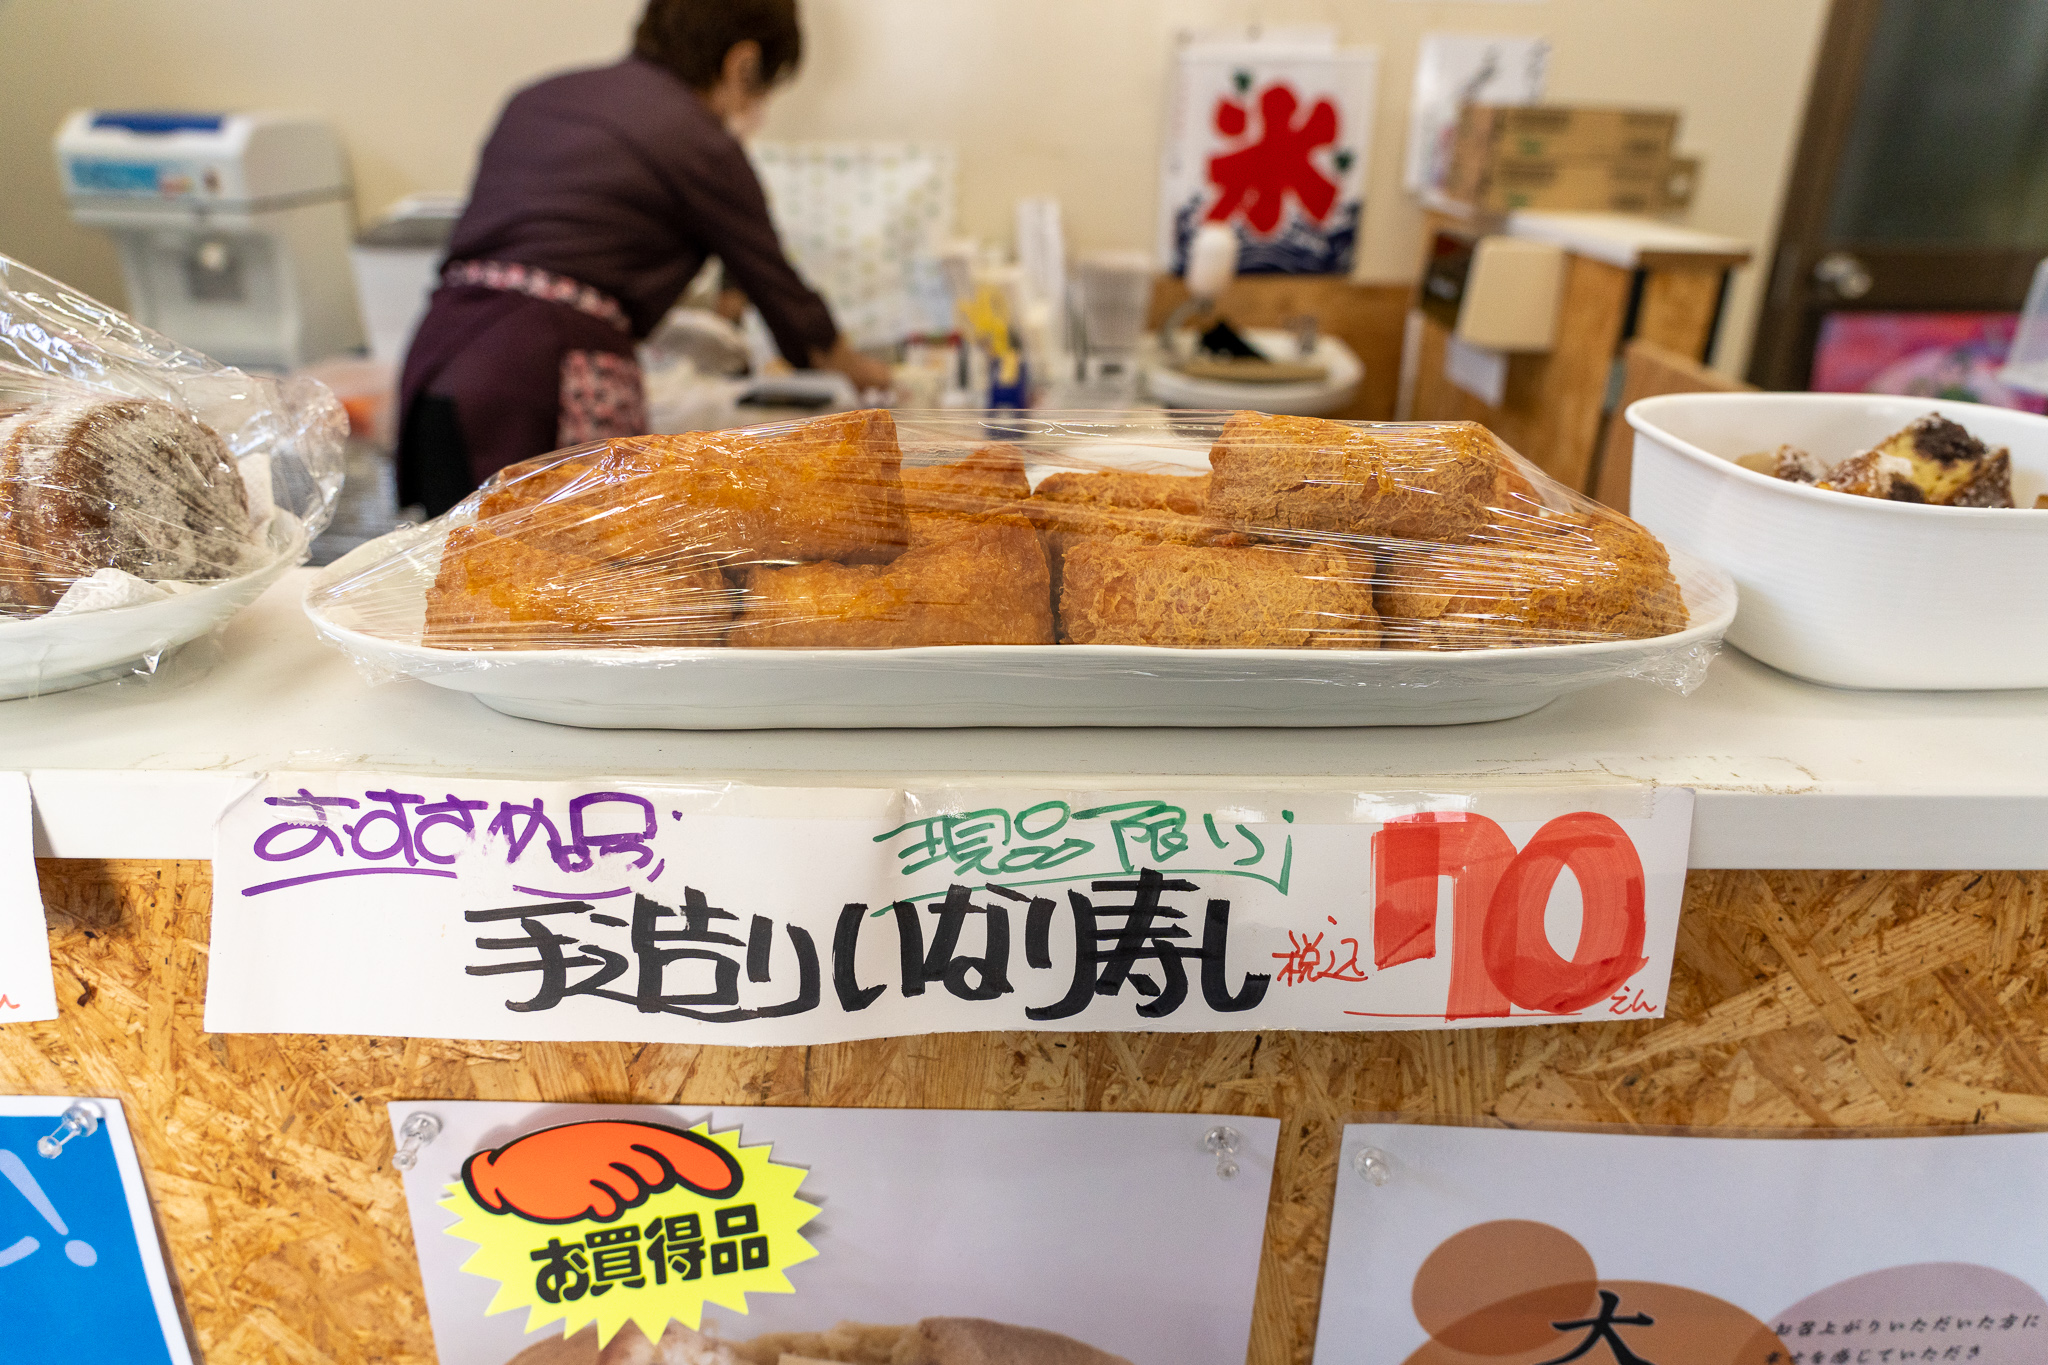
(1059, 97)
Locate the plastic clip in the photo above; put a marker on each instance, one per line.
(1224, 1142)
(1374, 1164)
(81, 1119)
(415, 1133)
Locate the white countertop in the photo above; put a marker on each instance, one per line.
(1789, 775)
(1623, 239)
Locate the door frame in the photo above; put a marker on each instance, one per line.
(1902, 278)
(1788, 324)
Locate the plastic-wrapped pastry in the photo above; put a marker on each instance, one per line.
(1306, 535)
(624, 542)
(1131, 591)
(985, 478)
(1539, 578)
(963, 581)
(115, 483)
(824, 489)
(1186, 494)
(499, 592)
(1073, 507)
(1113, 502)
(1439, 481)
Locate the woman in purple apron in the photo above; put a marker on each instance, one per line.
(598, 198)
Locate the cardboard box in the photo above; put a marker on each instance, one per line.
(1588, 185)
(1561, 131)
(1529, 146)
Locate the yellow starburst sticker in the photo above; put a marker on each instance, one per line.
(616, 1221)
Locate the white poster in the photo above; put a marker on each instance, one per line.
(863, 223)
(1524, 1248)
(424, 907)
(1453, 70)
(27, 991)
(1091, 1239)
(1271, 136)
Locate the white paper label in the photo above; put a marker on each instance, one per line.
(1542, 1247)
(1476, 370)
(27, 992)
(396, 905)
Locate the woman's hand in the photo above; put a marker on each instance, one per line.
(865, 371)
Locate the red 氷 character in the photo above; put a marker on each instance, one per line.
(1255, 180)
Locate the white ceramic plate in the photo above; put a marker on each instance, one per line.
(58, 653)
(1317, 398)
(1026, 685)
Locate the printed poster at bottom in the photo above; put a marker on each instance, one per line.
(404, 905)
(743, 1236)
(82, 1274)
(1536, 1248)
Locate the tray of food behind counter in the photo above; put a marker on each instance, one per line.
(951, 569)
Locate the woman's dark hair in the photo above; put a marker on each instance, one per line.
(691, 37)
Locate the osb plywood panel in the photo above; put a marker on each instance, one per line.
(1800, 1000)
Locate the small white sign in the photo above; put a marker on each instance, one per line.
(1478, 371)
(1452, 1244)
(27, 991)
(1116, 1231)
(1453, 70)
(420, 907)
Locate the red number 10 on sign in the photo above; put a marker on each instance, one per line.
(1501, 955)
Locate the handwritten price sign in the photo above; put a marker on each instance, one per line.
(394, 905)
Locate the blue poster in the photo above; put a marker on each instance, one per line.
(76, 1273)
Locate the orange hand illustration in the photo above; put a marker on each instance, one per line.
(596, 1170)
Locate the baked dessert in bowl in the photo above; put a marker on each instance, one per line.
(1869, 591)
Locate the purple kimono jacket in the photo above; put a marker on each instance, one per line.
(598, 198)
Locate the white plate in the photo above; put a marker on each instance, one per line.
(57, 653)
(1313, 398)
(1028, 685)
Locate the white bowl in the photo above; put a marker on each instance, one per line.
(1854, 592)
